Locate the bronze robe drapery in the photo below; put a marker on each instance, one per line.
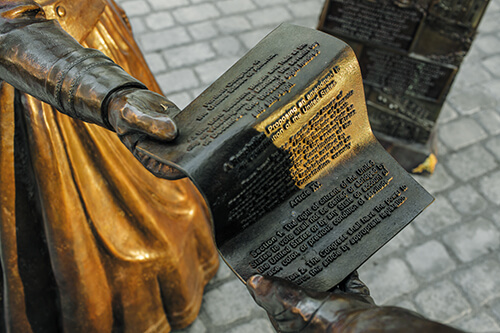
(90, 241)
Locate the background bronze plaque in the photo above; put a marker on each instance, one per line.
(281, 148)
(409, 52)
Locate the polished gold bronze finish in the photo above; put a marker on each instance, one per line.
(90, 240)
(428, 166)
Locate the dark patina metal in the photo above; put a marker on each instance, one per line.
(347, 308)
(409, 52)
(281, 148)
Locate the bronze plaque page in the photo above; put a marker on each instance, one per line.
(281, 148)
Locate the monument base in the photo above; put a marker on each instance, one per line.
(415, 157)
(409, 53)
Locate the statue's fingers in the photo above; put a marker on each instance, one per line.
(353, 285)
(263, 290)
(154, 124)
(158, 168)
(130, 140)
(290, 306)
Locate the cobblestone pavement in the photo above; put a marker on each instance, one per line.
(445, 265)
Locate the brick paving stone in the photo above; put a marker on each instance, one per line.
(493, 145)
(250, 39)
(488, 44)
(480, 282)
(269, 16)
(235, 6)
(474, 55)
(138, 25)
(461, 133)
(493, 86)
(478, 323)
(255, 326)
(223, 273)
(155, 62)
(467, 200)
(493, 6)
(187, 55)
(135, 8)
(471, 162)
(447, 114)
(490, 187)
(159, 20)
(439, 181)
(232, 24)
(495, 216)
(318, 3)
(227, 45)
(407, 305)
(490, 120)
(304, 8)
(442, 150)
(493, 65)
(181, 99)
(162, 4)
(402, 240)
(223, 310)
(266, 3)
(443, 302)
(196, 13)
(196, 327)
(430, 260)
(178, 80)
(203, 30)
(489, 23)
(471, 73)
(474, 239)
(471, 100)
(210, 71)
(439, 215)
(387, 279)
(495, 308)
(306, 22)
(197, 91)
(163, 39)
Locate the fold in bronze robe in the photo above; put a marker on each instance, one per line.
(90, 241)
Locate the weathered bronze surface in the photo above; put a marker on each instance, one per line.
(409, 52)
(348, 308)
(281, 148)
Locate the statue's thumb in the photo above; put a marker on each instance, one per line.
(278, 296)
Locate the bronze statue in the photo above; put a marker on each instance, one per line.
(90, 240)
(347, 309)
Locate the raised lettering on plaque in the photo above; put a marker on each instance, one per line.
(281, 148)
(409, 52)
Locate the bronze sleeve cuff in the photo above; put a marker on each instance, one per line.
(42, 60)
(81, 81)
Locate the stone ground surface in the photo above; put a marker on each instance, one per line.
(446, 264)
